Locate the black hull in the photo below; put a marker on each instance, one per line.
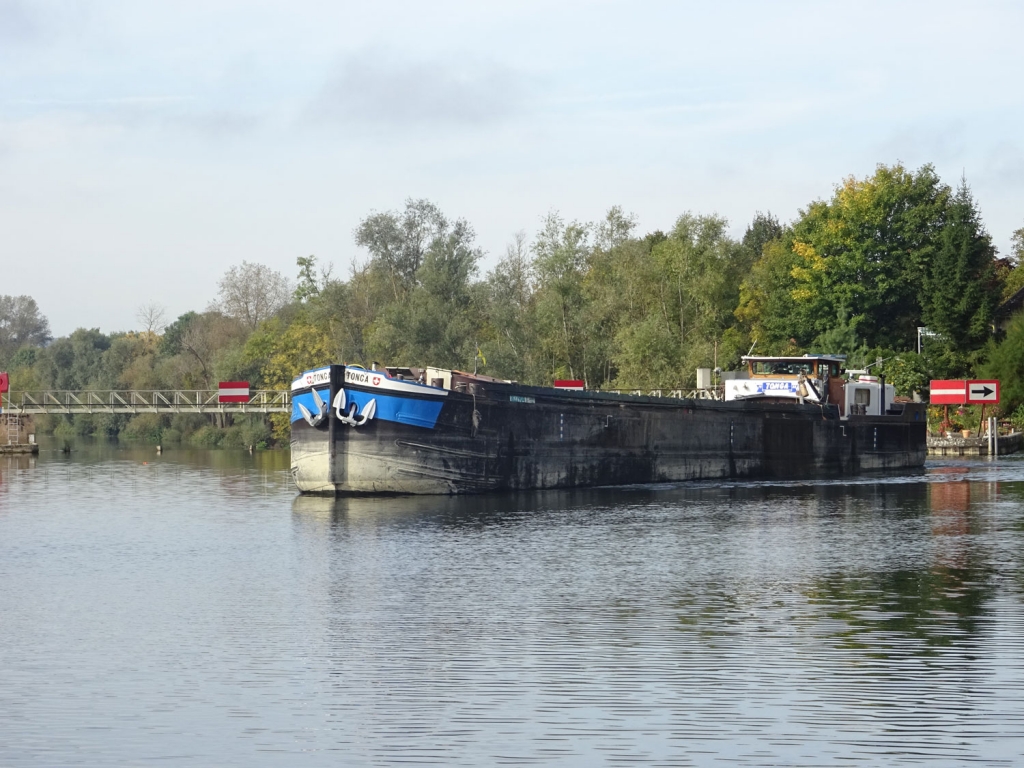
(484, 441)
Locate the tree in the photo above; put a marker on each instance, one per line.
(435, 324)
(282, 352)
(702, 268)
(252, 293)
(21, 324)
(766, 305)
(1005, 362)
(398, 241)
(960, 288)
(170, 342)
(561, 254)
(762, 230)
(152, 316)
(511, 330)
(76, 361)
(311, 281)
(865, 251)
(201, 344)
(1013, 279)
(615, 229)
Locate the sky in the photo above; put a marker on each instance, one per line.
(146, 147)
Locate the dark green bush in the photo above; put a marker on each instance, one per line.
(206, 437)
(188, 423)
(145, 426)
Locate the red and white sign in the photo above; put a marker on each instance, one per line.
(233, 392)
(948, 392)
(576, 384)
(983, 391)
(4, 383)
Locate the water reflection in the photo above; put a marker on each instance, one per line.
(190, 609)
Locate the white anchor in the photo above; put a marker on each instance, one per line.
(321, 408)
(346, 412)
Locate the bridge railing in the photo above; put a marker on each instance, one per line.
(142, 401)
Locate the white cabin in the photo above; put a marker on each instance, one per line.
(812, 379)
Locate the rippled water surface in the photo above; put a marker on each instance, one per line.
(189, 609)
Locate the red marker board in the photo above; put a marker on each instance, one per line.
(948, 392)
(983, 391)
(569, 383)
(4, 383)
(233, 392)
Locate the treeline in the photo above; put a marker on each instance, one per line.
(858, 274)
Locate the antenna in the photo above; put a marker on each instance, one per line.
(752, 347)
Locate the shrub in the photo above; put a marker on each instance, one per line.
(171, 435)
(1017, 418)
(46, 423)
(206, 437)
(84, 425)
(232, 438)
(188, 423)
(254, 430)
(144, 426)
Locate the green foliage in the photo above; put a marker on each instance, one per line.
(960, 291)
(146, 427)
(854, 274)
(21, 326)
(187, 423)
(206, 436)
(1017, 418)
(249, 432)
(907, 372)
(311, 283)
(24, 358)
(398, 242)
(508, 339)
(764, 229)
(766, 305)
(75, 361)
(1013, 268)
(561, 257)
(864, 251)
(1005, 361)
(841, 338)
(170, 342)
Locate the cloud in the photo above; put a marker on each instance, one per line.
(375, 90)
(45, 124)
(17, 23)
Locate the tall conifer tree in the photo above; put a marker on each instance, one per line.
(961, 292)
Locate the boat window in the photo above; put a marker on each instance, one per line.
(782, 367)
(862, 396)
(833, 369)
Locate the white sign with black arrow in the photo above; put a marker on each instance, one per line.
(983, 391)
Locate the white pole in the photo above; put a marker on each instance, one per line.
(995, 439)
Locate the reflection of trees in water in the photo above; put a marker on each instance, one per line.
(939, 606)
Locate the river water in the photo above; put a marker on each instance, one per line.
(189, 609)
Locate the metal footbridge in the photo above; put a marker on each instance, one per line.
(141, 401)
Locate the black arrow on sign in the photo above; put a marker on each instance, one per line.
(984, 392)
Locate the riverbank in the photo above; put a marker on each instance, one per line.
(974, 446)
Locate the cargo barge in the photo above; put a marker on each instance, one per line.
(435, 431)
